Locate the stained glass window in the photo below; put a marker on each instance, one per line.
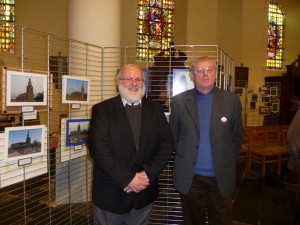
(155, 27)
(275, 37)
(7, 30)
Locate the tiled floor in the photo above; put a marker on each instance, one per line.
(268, 201)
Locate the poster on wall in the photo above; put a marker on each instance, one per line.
(75, 90)
(73, 138)
(24, 88)
(181, 81)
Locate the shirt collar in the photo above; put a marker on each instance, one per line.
(135, 103)
(211, 92)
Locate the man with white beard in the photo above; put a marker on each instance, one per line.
(131, 143)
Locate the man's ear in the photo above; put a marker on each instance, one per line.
(191, 76)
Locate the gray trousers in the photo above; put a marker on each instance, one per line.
(134, 217)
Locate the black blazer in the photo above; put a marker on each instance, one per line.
(112, 147)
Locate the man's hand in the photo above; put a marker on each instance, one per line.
(138, 183)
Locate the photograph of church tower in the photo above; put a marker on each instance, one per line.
(28, 96)
(26, 89)
(77, 131)
(75, 90)
(24, 142)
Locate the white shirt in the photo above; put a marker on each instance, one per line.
(135, 103)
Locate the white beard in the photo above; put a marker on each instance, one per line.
(131, 97)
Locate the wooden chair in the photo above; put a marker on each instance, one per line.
(272, 135)
(283, 131)
(265, 148)
(285, 155)
(257, 143)
(276, 136)
(244, 154)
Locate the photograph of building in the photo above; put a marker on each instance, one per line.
(24, 143)
(77, 131)
(76, 90)
(26, 89)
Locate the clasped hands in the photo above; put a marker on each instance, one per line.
(138, 183)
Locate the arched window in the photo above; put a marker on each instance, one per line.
(155, 27)
(7, 17)
(275, 37)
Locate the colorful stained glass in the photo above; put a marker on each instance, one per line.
(154, 27)
(7, 30)
(275, 37)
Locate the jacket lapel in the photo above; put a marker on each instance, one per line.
(191, 105)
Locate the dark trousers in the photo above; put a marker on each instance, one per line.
(204, 203)
(134, 217)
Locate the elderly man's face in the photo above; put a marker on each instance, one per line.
(131, 84)
(204, 76)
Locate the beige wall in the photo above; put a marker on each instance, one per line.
(201, 22)
(292, 28)
(128, 22)
(254, 44)
(50, 16)
(180, 12)
(238, 27)
(229, 29)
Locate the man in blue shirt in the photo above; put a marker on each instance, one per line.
(206, 123)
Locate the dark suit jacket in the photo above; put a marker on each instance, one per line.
(112, 147)
(226, 138)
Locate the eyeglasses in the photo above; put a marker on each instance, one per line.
(204, 70)
(130, 80)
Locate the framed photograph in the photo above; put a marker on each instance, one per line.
(265, 99)
(181, 81)
(273, 91)
(265, 110)
(275, 107)
(24, 88)
(75, 90)
(24, 142)
(254, 97)
(239, 90)
(252, 105)
(77, 131)
(240, 83)
(75, 148)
